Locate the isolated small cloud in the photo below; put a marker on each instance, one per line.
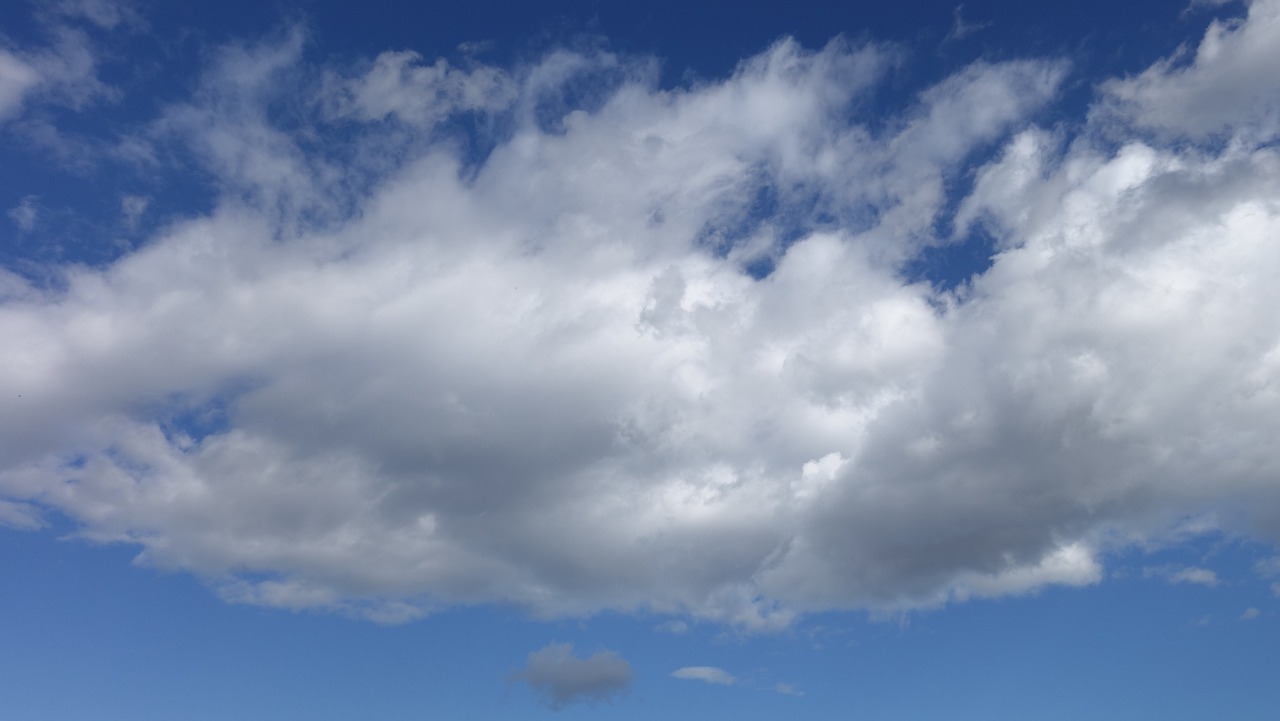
(788, 689)
(961, 29)
(1268, 567)
(674, 627)
(132, 207)
(1250, 614)
(25, 213)
(562, 678)
(709, 674)
(1183, 574)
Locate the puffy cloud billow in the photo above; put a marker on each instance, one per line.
(558, 337)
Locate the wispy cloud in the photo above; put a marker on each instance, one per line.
(709, 674)
(26, 213)
(1183, 574)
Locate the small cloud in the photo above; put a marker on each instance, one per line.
(132, 207)
(1183, 574)
(106, 14)
(675, 627)
(1268, 567)
(709, 674)
(1205, 620)
(1250, 614)
(25, 213)
(1275, 590)
(961, 29)
(562, 678)
(788, 689)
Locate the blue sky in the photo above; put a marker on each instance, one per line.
(580, 359)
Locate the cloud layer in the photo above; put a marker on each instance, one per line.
(557, 337)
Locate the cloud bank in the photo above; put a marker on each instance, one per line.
(557, 337)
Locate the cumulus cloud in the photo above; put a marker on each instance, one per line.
(1228, 85)
(657, 349)
(562, 678)
(1250, 614)
(788, 689)
(707, 674)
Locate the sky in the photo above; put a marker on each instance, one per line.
(579, 359)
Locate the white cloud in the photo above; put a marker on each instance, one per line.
(788, 689)
(388, 376)
(23, 516)
(398, 84)
(62, 73)
(1250, 614)
(25, 213)
(1268, 567)
(960, 28)
(105, 14)
(1228, 86)
(132, 208)
(708, 674)
(16, 80)
(562, 678)
(1183, 574)
(675, 627)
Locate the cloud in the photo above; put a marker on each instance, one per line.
(105, 14)
(1228, 86)
(21, 516)
(25, 213)
(960, 29)
(1179, 574)
(39, 82)
(1250, 614)
(788, 689)
(132, 208)
(708, 674)
(1268, 567)
(562, 678)
(675, 627)
(458, 335)
(17, 78)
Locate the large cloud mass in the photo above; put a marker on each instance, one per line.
(660, 349)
